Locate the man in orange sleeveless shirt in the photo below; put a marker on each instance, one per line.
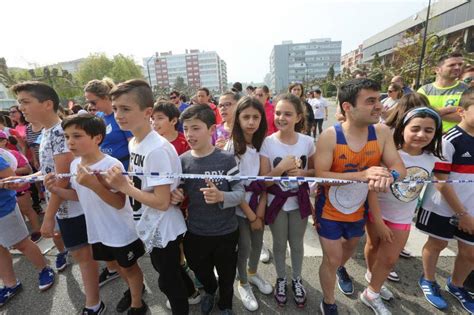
(352, 150)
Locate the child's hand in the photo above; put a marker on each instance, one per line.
(50, 182)
(466, 223)
(384, 232)
(212, 194)
(85, 178)
(47, 228)
(256, 225)
(177, 196)
(116, 179)
(288, 163)
(220, 142)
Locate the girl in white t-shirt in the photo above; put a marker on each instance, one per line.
(248, 133)
(418, 139)
(288, 153)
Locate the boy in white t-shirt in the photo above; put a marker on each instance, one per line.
(110, 227)
(160, 225)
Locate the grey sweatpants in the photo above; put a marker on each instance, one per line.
(250, 246)
(288, 227)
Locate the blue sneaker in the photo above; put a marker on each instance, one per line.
(432, 293)
(328, 309)
(46, 278)
(8, 293)
(207, 303)
(61, 261)
(344, 282)
(462, 295)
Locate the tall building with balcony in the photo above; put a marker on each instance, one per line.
(352, 59)
(196, 68)
(290, 62)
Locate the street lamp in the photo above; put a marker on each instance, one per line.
(148, 68)
(423, 47)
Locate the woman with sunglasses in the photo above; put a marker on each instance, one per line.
(395, 93)
(468, 75)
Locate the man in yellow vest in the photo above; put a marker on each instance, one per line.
(445, 92)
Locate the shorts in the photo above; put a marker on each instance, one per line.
(126, 256)
(74, 232)
(393, 226)
(439, 227)
(12, 228)
(334, 230)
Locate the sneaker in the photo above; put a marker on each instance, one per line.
(461, 295)
(61, 261)
(299, 292)
(126, 301)
(375, 304)
(328, 309)
(247, 297)
(385, 293)
(344, 282)
(262, 285)
(7, 293)
(192, 300)
(138, 311)
(88, 311)
(35, 237)
(393, 276)
(281, 291)
(432, 293)
(106, 276)
(265, 255)
(46, 278)
(405, 253)
(207, 303)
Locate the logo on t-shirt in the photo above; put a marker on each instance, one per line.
(108, 129)
(466, 155)
(450, 102)
(407, 192)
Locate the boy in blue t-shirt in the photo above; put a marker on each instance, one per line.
(14, 233)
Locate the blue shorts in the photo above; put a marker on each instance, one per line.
(334, 230)
(74, 232)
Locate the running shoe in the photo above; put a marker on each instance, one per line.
(46, 278)
(405, 253)
(88, 311)
(344, 282)
(61, 261)
(328, 309)
(207, 303)
(262, 285)
(299, 292)
(126, 301)
(265, 255)
(432, 293)
(138, 310)
(376, 304)
(462, 295)
(107, 276)
(192, 300)
(393, 276)
(7, 293)
(247, 297)
(385, 293)
(281, 292)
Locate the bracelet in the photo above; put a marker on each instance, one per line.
(460, 214)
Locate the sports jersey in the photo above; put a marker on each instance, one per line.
(444, 97)
(347, 203)
(180, 144)
(115, 142)
(458, 151)
(7, 196)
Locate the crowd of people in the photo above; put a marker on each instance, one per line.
(203, 234)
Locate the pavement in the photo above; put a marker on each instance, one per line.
(67, 297)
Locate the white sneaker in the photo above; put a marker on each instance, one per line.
(247, 297)
(262, 285)
(264, 255)
(192, 300)
(385, 293)
(375, 304)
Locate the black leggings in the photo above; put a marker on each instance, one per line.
(318, 123)
(173, 280)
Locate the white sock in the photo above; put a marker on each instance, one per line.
(371, 294)
(94, 308)
(111, 271)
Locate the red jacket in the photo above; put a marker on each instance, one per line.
(270, 114)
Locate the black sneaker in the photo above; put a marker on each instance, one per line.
(138, 311)
(126, 301)
(88, 311)
(207, 303)
(106, 276)
(280, 292)
(299, 292)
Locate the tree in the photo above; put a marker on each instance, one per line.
(98, 66)
(180, 85)
(330, 75)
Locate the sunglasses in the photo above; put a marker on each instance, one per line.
(173, 97)
(468, 80)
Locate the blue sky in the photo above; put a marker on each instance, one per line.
(242, 32)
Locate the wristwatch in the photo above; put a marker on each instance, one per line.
(395, 175)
